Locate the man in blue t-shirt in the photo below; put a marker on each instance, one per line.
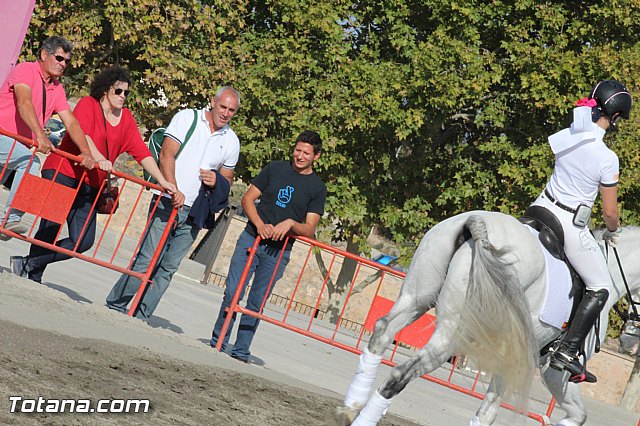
(291, 199)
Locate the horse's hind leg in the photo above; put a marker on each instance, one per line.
(425, 361)
(403, 312)
(567, 396)
(418, 294)
(488, 410)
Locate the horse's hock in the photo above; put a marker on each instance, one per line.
(611, 368)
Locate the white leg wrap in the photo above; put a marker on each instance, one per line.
(372, 413)
(475, 421)
(360, 387)
(566, 422)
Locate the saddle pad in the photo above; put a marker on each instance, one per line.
(556, 308)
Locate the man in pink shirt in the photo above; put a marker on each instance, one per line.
(31, 94)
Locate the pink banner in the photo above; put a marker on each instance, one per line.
(14, 21)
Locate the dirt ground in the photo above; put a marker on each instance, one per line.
(38, 363)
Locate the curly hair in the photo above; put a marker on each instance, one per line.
(107, 78)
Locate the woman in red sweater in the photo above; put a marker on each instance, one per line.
(111, 130)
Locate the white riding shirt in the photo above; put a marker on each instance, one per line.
(583, 162)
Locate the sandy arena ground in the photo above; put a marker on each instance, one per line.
(35, 362)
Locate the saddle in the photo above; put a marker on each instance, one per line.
(549, 230)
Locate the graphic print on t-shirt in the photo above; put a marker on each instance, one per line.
(284, 196)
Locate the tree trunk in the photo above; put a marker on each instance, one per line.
(342, 283)
(336, 289)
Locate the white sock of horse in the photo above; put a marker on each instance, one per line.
(372, 413)
(360, 387)
(566, 422)
(475, 421)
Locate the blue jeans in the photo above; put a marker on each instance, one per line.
(18, 162)
(263, 265)
(176, 247)
(80, 213)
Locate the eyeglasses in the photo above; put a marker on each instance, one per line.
(118, 92)
(61, 59)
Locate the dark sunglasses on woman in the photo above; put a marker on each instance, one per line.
(118, 92)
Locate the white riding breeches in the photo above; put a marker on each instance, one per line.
(581, 249)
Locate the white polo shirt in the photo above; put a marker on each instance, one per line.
(204, 149)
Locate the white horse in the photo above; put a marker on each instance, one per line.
(489, 291)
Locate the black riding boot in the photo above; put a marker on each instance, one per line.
(565, 357)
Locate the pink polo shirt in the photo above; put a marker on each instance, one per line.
(30, 74)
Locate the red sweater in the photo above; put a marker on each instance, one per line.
(125, 137)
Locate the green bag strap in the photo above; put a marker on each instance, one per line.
(190, 132)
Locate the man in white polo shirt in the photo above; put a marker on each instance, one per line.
(210, 154)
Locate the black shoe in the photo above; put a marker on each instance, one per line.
(245, 360)
(579, 373)
(565, 356)
(18, 266)
(586, 376)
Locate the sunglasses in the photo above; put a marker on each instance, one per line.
(61, 59)
(118, 92)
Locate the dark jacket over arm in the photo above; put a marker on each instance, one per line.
(210, 201)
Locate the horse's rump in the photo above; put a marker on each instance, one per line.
(493, 326)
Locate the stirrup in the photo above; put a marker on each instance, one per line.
(560, 360)
(578, 373)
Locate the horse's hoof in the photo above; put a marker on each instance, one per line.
(341, 416)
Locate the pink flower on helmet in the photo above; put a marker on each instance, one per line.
(586, 102)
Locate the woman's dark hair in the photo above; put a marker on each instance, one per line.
(107, 78)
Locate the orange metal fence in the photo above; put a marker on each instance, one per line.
(318, 287)
(41, 198)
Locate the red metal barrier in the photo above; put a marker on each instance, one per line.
(46, 199)
(304, 286)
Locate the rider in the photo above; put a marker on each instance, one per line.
(583, 165)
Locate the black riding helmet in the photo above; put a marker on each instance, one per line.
(614, 100)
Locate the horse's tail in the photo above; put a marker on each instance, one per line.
(494, 327)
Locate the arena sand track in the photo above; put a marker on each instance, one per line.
(39, 357)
